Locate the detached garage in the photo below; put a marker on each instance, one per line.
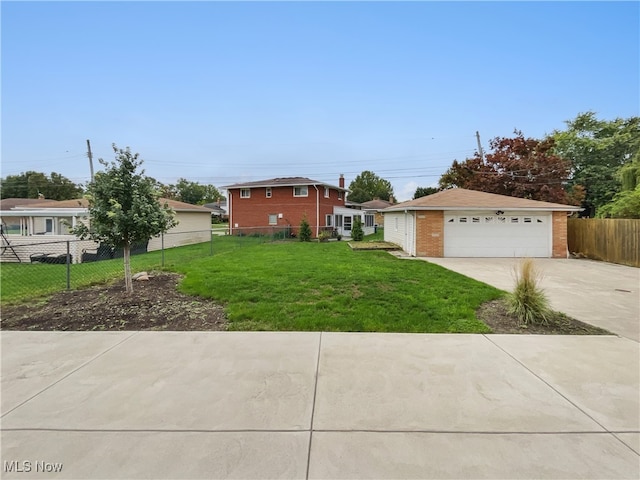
(466, 223)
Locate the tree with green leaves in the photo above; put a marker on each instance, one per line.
(626, 203)
(368, 186)
(424, 191)
(35, 184)
(195, 193)
(596, 150)
(304, 232)
(357, 233)
(124, 208)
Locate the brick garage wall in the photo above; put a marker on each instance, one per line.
(254, 212)
(559, 235)
(430, 233)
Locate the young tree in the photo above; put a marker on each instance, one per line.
(124, 208)
(424, 191)
(304, 233)
(368, 186)
(596, 150)
(517, 167)
(357, 234)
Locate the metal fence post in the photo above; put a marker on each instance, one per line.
(68, 266)
(162, 246)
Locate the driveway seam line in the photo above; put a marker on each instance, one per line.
(313, 405)
(69, 374)
(548, 384)
(446, 432)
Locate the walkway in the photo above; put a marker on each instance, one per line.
(319, 405)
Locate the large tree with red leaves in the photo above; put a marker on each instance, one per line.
(518, 167)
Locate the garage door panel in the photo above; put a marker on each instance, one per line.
(486, 235)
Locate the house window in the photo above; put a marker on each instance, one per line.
(368, 220)
(326, 192)
(347, 223)
(396, 223)
(339, 194)
(245, 193)
(527, 219)
(515, 219)
(328, 220)
(475, 219)
(48, 225)
(302, 191)
(488, 219)
(462, 219)
(273, 219)
(338, 220)
(268, 192)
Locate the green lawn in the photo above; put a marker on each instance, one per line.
(329, 287)
(292, 286)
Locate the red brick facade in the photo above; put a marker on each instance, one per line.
(430, 233)
(559, 244)
(252, 214)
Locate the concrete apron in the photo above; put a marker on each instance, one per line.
(318, 405)
(602, 294)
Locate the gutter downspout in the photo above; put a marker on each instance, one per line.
(317, 211)
(230, 208)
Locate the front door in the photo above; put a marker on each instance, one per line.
(347, 225)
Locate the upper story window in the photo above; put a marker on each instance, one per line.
(268, 192)
(339, 194)
(302, 191)
(326, 192)
(245, 193)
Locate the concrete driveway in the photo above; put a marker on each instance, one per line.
(602, 294)
(318, 405)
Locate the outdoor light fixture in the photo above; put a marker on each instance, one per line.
(499, 212)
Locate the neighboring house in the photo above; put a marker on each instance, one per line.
(467, 223)
(376, 206)
(49, 220)
(218, 209)
(279, 204)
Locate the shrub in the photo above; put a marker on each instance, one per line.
(528, 302)
(324, 236)
(357, 234)
(305, 230)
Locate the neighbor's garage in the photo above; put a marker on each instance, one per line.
(485, 234)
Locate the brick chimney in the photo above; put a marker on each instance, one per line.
(341, 181)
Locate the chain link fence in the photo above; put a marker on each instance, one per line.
(32, 267)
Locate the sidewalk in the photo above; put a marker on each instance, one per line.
(319, 405)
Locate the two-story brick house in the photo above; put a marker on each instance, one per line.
(279, 204)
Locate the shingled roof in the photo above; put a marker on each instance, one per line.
(283, 182)
(463, 199)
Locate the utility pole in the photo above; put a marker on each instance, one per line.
(479, 146)
(90, 155)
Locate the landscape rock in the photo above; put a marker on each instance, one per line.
(141, 277)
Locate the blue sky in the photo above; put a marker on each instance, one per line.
(221, 92)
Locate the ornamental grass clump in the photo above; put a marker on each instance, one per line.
(528, 302)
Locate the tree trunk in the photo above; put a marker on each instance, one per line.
(128, 283)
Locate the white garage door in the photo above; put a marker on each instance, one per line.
(491, 235)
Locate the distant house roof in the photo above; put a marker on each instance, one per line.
(9, 203)
(376, 204)
(462, 199)
(83, 203)
(283, 182)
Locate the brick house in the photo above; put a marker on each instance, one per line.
(279, 204)
(467, 223)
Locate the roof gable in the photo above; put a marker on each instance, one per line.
(463, 199)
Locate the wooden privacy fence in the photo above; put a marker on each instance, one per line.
(607, 239)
